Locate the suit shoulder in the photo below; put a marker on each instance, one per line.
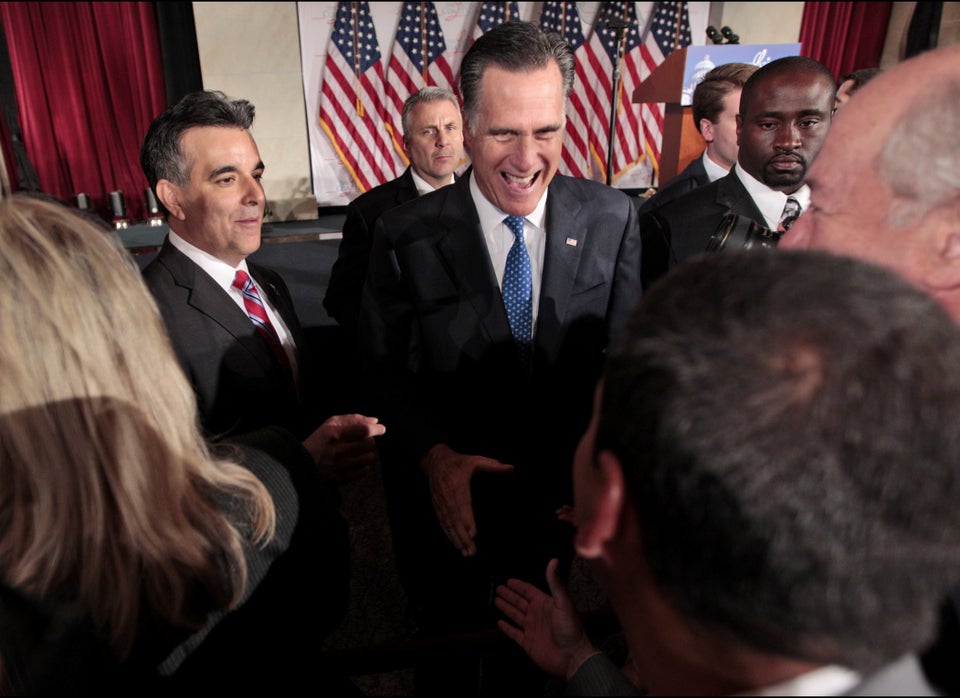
(597, 195)
(678, 186)
(378, 197)
(688, 202)
(417, 215)
(157, 274)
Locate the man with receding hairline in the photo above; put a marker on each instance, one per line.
(885, 189)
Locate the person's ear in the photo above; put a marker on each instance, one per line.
(739, 128)
(602, 524)
(170, 196)
(706, 130)
(942, 228)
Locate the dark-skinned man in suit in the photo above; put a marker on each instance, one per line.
(785, 111)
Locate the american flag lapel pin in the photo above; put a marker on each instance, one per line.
(572, 242)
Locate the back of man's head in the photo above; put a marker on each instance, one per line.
(786, 424)
(517, 47)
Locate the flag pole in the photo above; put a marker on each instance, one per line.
(620, 25)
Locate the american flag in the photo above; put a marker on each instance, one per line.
(493, 14)
(563, 19)
(352, 111)
(418, 59)
(669, 29)
(600, 56)
(638, 128)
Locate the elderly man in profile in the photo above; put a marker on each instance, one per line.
(886, 189)
(433, 141)
(487, 310)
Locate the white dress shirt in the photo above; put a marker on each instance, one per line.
(422, 185)
(499, 239)
(714, 171)
(770, 201)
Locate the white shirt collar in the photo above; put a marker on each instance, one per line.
(770, 201)
(491, 216)
(422, 185)
(220, 271)
(830, 680)
(714, 171)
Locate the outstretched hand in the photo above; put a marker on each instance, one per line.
(343, 446)
(449, 474)
(547, 627)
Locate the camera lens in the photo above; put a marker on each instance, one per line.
(739, 232)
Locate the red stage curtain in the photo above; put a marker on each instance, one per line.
(844, 36)
(89, 80)
(9, 155)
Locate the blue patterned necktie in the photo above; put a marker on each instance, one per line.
(518, 291)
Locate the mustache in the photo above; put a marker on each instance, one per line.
(791, 156)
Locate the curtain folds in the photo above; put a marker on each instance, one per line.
(89, 80)
(844, 36)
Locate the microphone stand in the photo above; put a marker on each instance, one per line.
(621, 28)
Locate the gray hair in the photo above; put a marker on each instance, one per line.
(920, 160)
(516, 47)
(423, 96)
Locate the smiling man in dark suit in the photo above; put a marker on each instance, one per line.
(433, 140)
(237, 337)
(206, 169)
(785, 111)
(487, 310)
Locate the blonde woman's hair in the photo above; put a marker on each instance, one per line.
(108, 495)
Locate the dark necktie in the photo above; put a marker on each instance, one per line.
(791, 211)
(258, 316)
(518, 291)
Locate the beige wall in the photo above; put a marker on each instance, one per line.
(762, 22)
(896, 42)
(251, 50)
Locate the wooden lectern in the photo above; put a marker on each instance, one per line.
(682, 141)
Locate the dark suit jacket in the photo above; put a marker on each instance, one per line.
(682, 228)
(444, 365)
(239, 383)
(342, 300)
(694, 175)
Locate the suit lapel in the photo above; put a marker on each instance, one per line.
(462, 247)
(205, 296)
(564, 246)
(732, 195)
(406, 188)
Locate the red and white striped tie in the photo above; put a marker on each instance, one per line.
(258, 316)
